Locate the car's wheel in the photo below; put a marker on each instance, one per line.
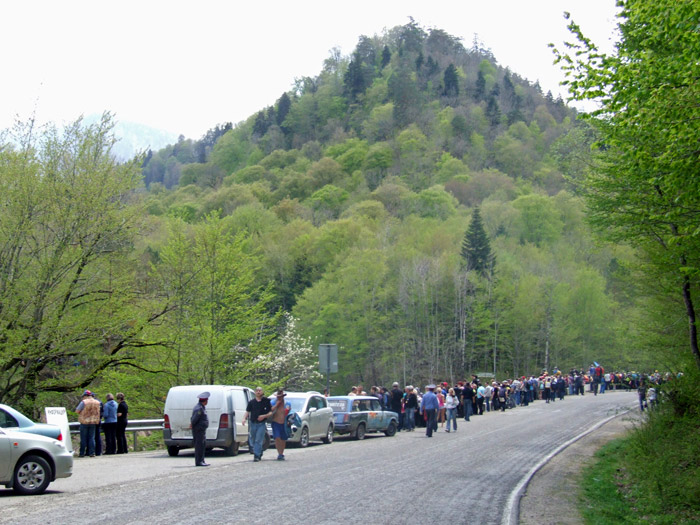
(360, 432)
(232, 449)
(266, 441)
(32, 475)
(173, 450)
(329, 435)
(391, 429)
(304, 438)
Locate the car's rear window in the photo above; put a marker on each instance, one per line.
(338, 405)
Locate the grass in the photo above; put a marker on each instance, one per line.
(650, 476)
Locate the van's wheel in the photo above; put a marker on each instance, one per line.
(232, 449)
(329, 435)
(360, 432)
(390, 430)
(304, 438)
(173, 450)
(32, 475)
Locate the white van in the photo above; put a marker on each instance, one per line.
(226, 408)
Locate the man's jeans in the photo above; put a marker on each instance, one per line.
(257, 436)
(468, 411)
(87, 439)
(409, 420)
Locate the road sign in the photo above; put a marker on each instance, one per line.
(328, 358)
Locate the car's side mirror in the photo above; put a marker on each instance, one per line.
(313, 409)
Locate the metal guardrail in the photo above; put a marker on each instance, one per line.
(135, 425)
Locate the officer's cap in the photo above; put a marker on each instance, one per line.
(204, 395)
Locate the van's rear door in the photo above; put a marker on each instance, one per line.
(179, 409)
(240, 398)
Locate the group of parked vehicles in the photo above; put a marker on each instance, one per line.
(319, 417)
(32, 455)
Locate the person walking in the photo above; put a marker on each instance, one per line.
(429, 406)
(88, 416)
(200, 422)
(122, 420)
(110, 425)
(451, 404)
(257, 411)
(279, 423)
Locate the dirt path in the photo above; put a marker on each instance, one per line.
(552, 494)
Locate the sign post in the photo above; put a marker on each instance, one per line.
(328, 362)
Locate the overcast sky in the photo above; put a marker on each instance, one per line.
(186, 66)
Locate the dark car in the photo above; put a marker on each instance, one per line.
(13, 420)
(357, 415)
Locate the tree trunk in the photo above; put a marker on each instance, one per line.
(692, 324)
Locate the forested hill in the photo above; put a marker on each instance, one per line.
(357, 189)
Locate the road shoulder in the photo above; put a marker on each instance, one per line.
(552, 494)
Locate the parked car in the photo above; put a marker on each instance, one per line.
(14, 420)
(316, 417)
(29, 462)
(226, 408)
(358, 415)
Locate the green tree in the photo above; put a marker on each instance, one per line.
(476, 248)
(646, 190)
(451, 82)
(69, 306)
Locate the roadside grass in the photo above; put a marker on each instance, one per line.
(650, 476)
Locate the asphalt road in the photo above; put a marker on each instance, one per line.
(467, 477)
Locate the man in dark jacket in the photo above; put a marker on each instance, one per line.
(396, 397)
(200, 423)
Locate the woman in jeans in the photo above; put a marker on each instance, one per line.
(451, 404)
(411, 404)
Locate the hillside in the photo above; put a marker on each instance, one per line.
(357, 190)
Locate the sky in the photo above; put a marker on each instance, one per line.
(185, 67)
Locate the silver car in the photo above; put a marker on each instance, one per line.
(29, 462)
(315, 415)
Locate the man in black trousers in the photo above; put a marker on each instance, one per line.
(200, 422)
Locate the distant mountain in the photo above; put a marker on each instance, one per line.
(136, 138)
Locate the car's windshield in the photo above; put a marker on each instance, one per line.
(296, 403)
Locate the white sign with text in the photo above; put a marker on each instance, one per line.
(59, 417)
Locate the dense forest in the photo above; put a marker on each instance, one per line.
(415, 203)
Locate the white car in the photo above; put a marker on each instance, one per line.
(315, 414)
(29, 462)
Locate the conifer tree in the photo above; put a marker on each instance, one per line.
(451, 81)
(386, 56)
(476, 248)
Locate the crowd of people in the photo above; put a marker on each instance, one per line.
(474, 397)
(96, 417)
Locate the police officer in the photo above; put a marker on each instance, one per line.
(200, 422)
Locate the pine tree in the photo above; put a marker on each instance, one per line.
(476, 248)
(451, 81)
(386, 56)
(283, 106)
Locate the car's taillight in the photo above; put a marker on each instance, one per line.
(166, 421)
(223, 421)
(60, 436)
(346, 418)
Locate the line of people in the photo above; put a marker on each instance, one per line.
(473, 398)
(110, 417)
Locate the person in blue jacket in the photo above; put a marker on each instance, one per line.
(110, 425)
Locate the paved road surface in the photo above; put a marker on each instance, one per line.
(464, 477)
